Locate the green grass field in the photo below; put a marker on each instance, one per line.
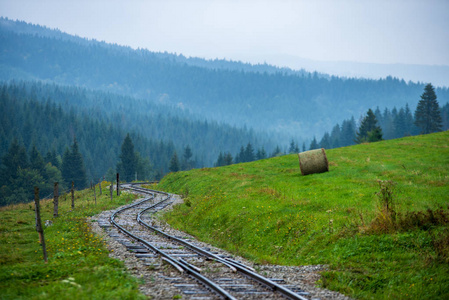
(268, 212)
(78, 263)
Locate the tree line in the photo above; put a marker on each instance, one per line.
(21, 171)
(376, 125)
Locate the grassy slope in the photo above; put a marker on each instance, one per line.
(78, 263)
(268, 212)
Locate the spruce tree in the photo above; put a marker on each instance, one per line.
(314, 144)
(80, 176)
(249, 153)
(220, 160)
(127, 164)
(261, 153)
(187, 162)
(52, 158)
(369, 131)
(291, 149)
(400, 126)
(240, 157)
(427, 114)
(73, 167)
(335, 136)
(347, 132)
(227, 159)
(277, 152)
(410, 126)
(325, 141)
(36, 160)
(174, 163)
(16, 158)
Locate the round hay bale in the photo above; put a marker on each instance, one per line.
(313, 161)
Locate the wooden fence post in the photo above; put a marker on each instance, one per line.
(118, 184)
(73, 195)
(99, 184)
(95, 195)
(111, 189)
(55, 199)
(39, 228)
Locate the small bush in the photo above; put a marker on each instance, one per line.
(385, 220)
(424, 220)
(389, 220)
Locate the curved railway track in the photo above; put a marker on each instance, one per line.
(215, 276)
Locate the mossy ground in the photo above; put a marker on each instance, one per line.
(267, 211)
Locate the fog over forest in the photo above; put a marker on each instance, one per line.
(170, 103)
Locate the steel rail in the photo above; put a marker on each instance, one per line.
(177, 264)
(249, 272)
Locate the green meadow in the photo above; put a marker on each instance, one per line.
(379, 218)
(78, 264)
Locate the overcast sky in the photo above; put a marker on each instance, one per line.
(394, 31)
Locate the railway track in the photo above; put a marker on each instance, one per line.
(202, 274)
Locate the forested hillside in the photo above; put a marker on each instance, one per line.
(292, 104)
(50, 116)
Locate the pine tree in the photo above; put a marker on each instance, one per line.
(277, 152)
(36, 160)
(347, 132)
(174, 163)
(127, 164)
(220, 160)
(227, 159)
(186, 162)
(427, 114)
(291, 149)
(410, 128)
(335, 136)
(73, 167)
(368, 131)
(52, 158)
(314, 144)
(387, 124)
(16, 158)
(325, 141)
(261, 153)
(249, 153)
(240, 157)
(400, 124)
(445, 116)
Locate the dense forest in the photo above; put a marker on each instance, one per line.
(41, 114)
(293, 104)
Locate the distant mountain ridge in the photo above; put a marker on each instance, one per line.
(438, 75)
(290, 103)
(22, 27)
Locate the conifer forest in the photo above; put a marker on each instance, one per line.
(73, 109)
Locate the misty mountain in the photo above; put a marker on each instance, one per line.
(158, 129)
(291, 104)
(438, 75)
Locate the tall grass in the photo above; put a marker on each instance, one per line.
(78, 263)
(378, 218)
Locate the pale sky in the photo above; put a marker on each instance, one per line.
(393, 31)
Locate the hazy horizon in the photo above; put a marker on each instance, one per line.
(294, 34)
